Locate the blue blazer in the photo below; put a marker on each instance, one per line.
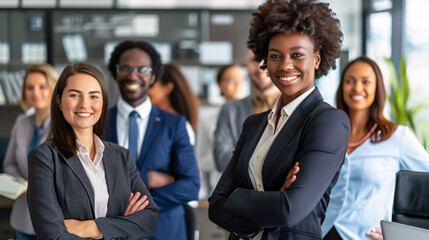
(316, 136)
(166, 149)
(58, 189)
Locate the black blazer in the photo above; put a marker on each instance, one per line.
(316, 136)
(58, 189)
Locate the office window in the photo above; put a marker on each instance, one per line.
(379, 42)
(380, 5)
(416, 50)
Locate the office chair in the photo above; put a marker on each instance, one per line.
(411, 200)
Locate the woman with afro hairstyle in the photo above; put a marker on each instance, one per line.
(277, 183)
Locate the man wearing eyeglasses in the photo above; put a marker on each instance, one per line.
(157, 140)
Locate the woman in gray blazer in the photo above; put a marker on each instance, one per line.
(81, 187)
(28, 132)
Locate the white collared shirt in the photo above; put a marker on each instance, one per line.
(123, 121)
(96, 175)
(257, 160)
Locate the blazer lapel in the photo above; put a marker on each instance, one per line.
(254, 138)
(76, 166)
(289, 131)
(151, 130)
(110, 166)
(251, 142)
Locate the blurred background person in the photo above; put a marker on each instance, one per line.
(28, 132)
(377, 150)
(233, 113)
(173, 93)
(81, 187)
(231, 80)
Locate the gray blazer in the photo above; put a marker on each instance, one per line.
(230, 120)
(15, 164)
(59, 189)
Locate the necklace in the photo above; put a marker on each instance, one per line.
(355, 144)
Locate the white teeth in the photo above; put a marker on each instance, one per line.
(132, 86)
(288, 78)
(357, 97)
(84, 114)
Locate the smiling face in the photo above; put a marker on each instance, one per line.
(81, 102)
(359, 87)
(291, 64)
(133, 86)
(37, 92)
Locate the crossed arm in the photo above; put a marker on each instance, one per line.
(62, 210)
(89, 228)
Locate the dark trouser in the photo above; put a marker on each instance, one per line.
(190, 220)
(332, 235)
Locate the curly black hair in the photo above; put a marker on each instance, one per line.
(316, 20)
(157, 66)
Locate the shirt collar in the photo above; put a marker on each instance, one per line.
(99, 148)
(124, 109)
(289, 108)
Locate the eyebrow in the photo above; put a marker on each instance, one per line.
(74, 90)
(292, 48)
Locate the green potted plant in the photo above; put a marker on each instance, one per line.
(401, 112)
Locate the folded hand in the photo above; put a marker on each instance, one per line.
(291, 177)
(135, 203)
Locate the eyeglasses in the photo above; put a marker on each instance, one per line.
(140, 70)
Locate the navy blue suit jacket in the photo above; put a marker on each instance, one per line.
(166, 149)
(59, 188)
(316, 136)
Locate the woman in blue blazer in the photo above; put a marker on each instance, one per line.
(298, 41)
(81, 187)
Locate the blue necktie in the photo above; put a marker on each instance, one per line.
(133, 135)
(34, 139)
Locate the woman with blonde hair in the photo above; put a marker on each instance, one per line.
(28, 132)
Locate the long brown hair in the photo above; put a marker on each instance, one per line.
(385, 128)
(61, 132)
(182, 98)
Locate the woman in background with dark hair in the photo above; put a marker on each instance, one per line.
(298, 42)
(79, 186)
(377, 149)
(231, 80)
(174, 94)
(28, 132)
